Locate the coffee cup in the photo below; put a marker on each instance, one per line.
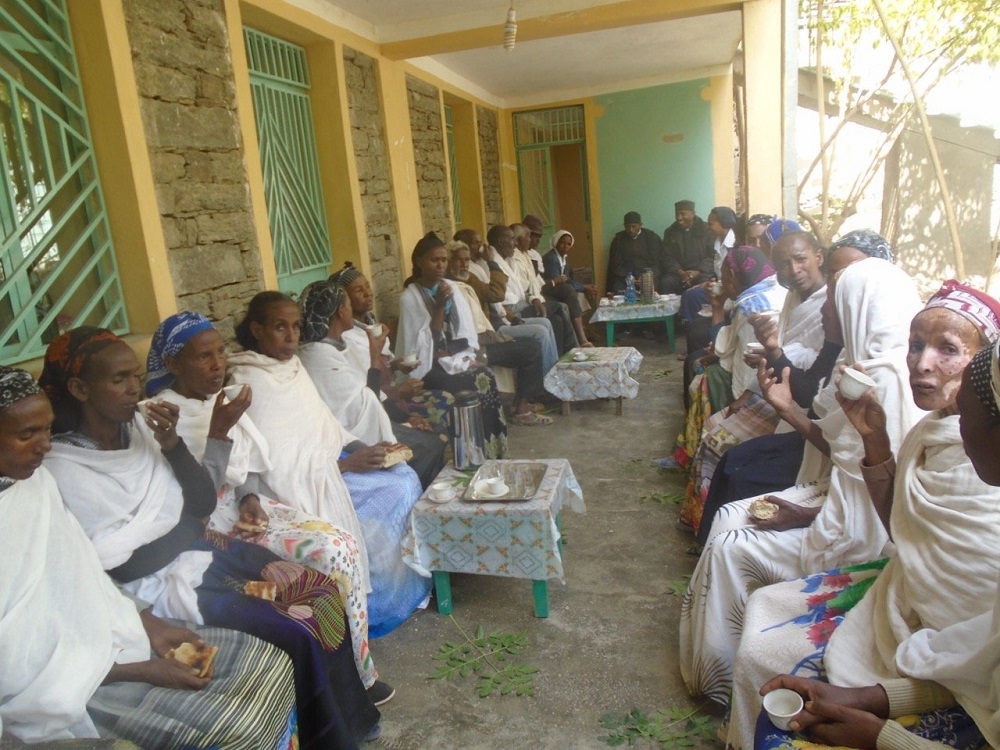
(376, 330)
(496, 485)
(232, 391)
(782, 705)
(141, 407)
(715, 288)
(753, 350)
(579, 356)
(409, 358)
(854, 384)
(441, 492)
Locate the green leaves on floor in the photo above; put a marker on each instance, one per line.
(678, 587)
(488, 657)
(658, 374)
(663, 498)
(669, 728)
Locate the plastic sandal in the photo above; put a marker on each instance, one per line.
(530, 419)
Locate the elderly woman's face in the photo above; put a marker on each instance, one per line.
(200, 367)
(278, 335)
(980, 433)
(25, 436)
(361, 295)
(941, 344)
(110, 388)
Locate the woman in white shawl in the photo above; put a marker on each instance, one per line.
(817, 526)
(957, 665)
(143, 500)
(69, 638)
(944, 521)
(321, 468)
(186, 366)
(437, 325)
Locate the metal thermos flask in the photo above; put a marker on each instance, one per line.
(467, 442)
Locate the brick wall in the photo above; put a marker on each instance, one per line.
(489, 161)
(428, 151)
(374, 180)
(184, 75)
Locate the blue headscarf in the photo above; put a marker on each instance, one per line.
(170, 337)
(779, 227)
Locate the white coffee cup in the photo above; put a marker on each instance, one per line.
(752, 349)
(409, 358)
(376, 330)
(496, 485)
(715, 288)
(782, 705)
(854, 384)
(232, 391)
(579, 356)
(142, 407)
(441, 492)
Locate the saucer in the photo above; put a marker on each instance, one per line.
(448, 497)
(483, 490)
(581, 357)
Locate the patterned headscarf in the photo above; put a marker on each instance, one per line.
(871, 243)
(779, 227)
(984, 374)
(319, 302)
(760, 219)
(346, 275)
(977, 307)
(16, 385)
(67, 357)
(170, 337)
(749, 265)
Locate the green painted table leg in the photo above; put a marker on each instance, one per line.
(442, 590)
(541, 591)
(670, 333)
(609, 328)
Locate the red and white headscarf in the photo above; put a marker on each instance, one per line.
(977, 307)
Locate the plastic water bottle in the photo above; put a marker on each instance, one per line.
(630, 293)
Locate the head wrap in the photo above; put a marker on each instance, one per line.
(632, 217)
(749, 265)
(67, 357)
(725, 216)
(554, 242)
(346, 275)
(977, 307)
(319, 302)
(534, 224)
(871, 243)
(779, 227)
(760, 219)
(684, 206)
(16, 385)
(984, 374)
(170, 337)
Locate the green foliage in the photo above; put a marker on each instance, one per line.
(474, 655)
(663, 498)
(637, 465)
(679, 586)
(670, 728)
(657, 374)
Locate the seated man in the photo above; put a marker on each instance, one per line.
(689, 251)
(634, 249)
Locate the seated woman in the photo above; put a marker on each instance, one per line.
(945, 673)
(944, 522)
(798, 259)
(407, 401)
(186, 366)
(353, 398)
(321, 467)
(558, 276)
(747, 278)
(436, 325)
(141, 498)
(818, 525)
(52, 575)
(771, 463)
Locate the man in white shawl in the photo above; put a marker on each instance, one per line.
(875, 302)
(944, 521)
(66, 631)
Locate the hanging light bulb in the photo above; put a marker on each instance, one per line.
(510, 29)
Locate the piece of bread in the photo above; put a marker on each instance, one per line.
(396, 454)
(762, 509)
(199, 658)
(249, 528)
(261, 589)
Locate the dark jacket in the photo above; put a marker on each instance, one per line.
(635, 255)
(689, 250)
(552, 268)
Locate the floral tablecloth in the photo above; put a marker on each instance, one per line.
(512, 539)
(603, 374)
(666, 306)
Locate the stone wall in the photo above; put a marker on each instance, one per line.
(374, 180)
(489, 163)
(428, 152)
(184, 75)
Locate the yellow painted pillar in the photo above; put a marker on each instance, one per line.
(470, 175)
(762, 76)
(719, 93)
(509, 187)
(592, 111)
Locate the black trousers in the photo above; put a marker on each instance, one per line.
(524, 356)
(428, 451)
(670, 283)
(566, 294)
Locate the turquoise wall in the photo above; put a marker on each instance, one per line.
(640, 171)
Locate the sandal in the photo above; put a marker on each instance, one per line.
(586, 344)
(530, 419)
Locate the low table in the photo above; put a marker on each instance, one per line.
(641, 312)
(511, 539)
(604, 373)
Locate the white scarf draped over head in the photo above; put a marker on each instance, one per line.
(305, 441)
(946, 528)
(63, 624)
(875, 303)
(415, 336)
(800, 327)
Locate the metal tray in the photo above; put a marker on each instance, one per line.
(522, 478)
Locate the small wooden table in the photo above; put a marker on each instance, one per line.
(602, 372)
(511, 539)
(663, 309)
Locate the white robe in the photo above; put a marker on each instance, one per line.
(415, 335)
(346, 393)
(732, 339)
(63, 624)
(800, 327)
(305, 439)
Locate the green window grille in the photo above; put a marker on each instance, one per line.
(549, 126)
(279, 81)
(456, 198)
(57, 262)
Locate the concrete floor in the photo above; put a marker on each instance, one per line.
(610, 642)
